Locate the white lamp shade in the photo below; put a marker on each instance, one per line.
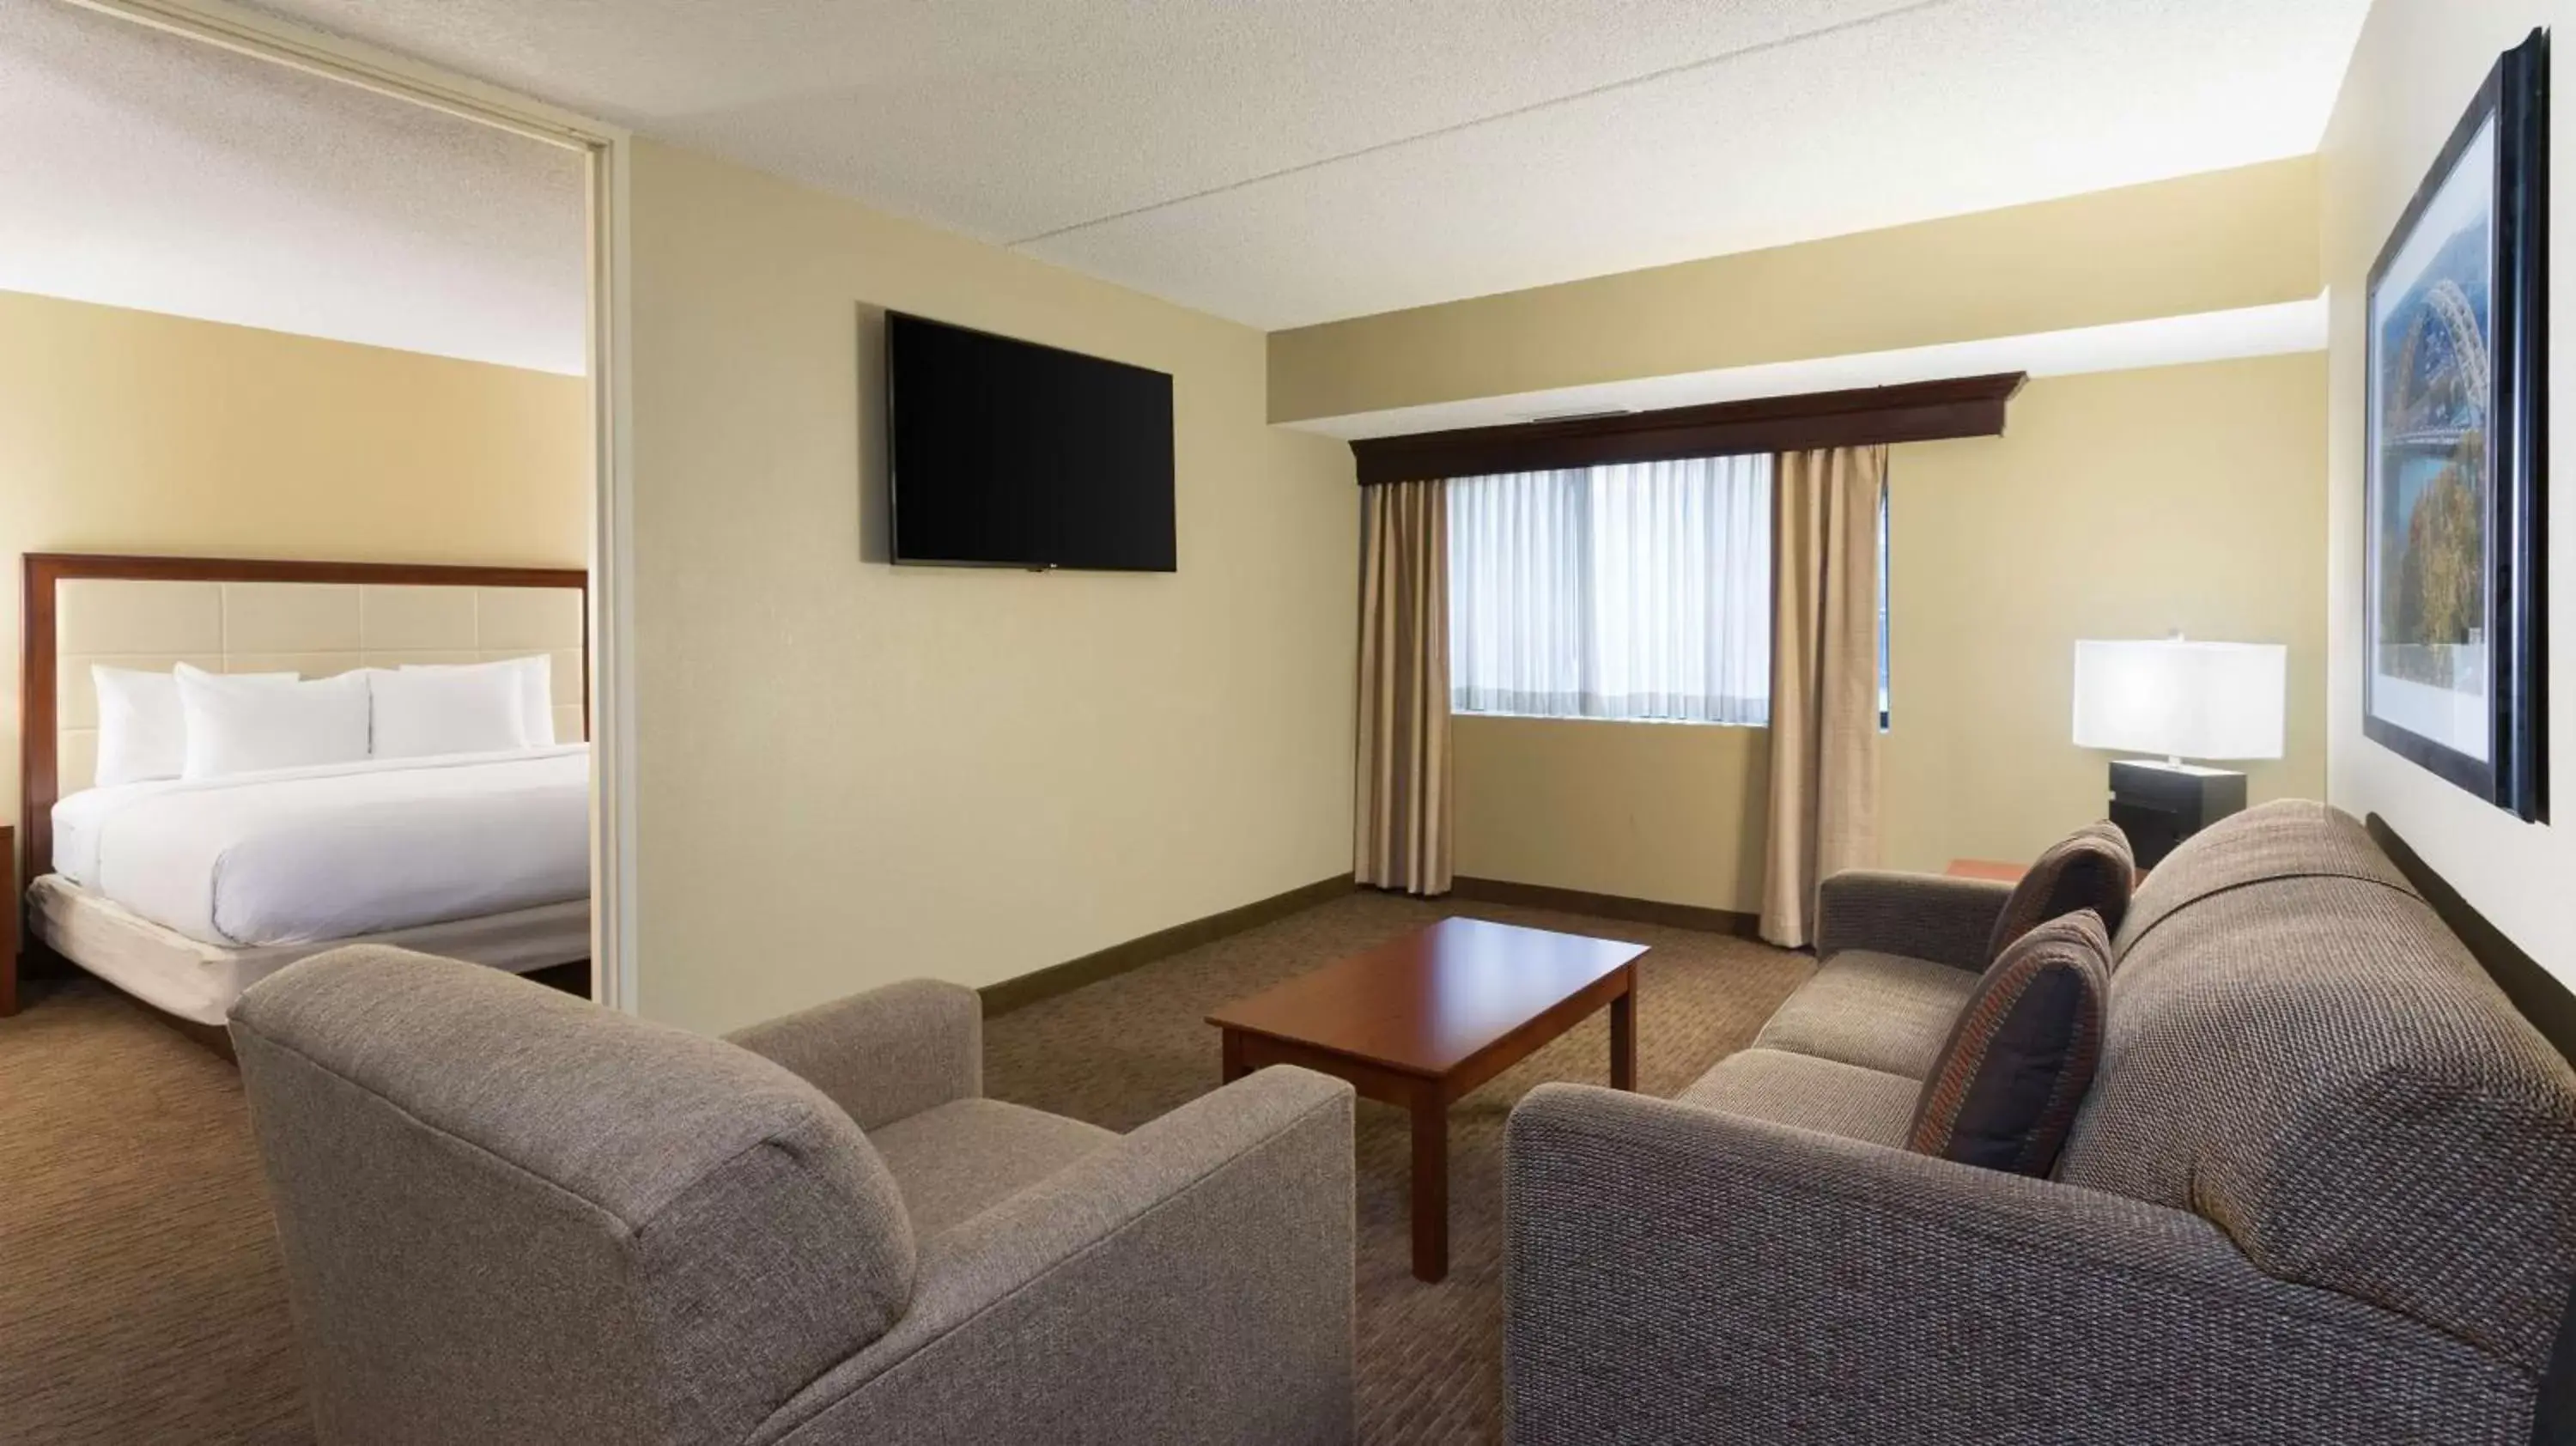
(2181, 699)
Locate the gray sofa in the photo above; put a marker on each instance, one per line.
(2323, 1189)
(509, 1215)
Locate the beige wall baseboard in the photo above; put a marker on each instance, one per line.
(1606, 906)
(1117, 959)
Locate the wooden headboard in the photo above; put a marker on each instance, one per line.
(249, 615)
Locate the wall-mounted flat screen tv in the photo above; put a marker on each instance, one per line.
(1004, 453)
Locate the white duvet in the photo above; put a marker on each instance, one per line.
(301, 855)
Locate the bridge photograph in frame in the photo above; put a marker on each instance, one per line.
(2455, 594)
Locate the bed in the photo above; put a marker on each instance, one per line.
(184, 890)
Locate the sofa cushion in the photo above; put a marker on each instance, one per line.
(1884, 1012)
(2290, 839)
(2090, 868)
(954, 1161)
(2300, 1051)
(1823, 1095)
(2022, 1053)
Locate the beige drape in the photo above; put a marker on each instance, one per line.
(1403, 811)
(1824, 680)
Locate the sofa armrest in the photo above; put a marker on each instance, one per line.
(1675, 1274)
(1926, 916)
(883, 1055)
(1190, 1283)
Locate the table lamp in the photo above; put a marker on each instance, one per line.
(2182, 700)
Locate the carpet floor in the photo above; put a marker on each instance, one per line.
(140, 1290)
(141, 1297)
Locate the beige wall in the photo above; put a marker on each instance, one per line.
(853, 773)
(2204, 243)
(2418, 65)
(1664, 811)
(130, 431)
(2123, 504)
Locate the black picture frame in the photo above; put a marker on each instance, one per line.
(2457, 494)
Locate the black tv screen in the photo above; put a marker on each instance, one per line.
(1005, 453)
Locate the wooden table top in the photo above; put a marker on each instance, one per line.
(1427, 1003)
(1992, 870)
(1996, 871)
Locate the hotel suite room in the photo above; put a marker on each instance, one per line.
(1031, 1002)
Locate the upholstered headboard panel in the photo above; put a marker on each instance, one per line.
(264, 617)
(315, 629)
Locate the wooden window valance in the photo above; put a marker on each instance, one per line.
(1864, 417)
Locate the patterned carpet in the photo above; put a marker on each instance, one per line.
(140, 1297)
(1430, 1356)
(140, 1293)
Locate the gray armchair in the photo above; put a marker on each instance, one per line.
(510, 1215)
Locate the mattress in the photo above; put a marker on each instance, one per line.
(312, 855)
(196, 980)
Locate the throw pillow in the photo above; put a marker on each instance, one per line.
(536, 683)
(2090, 868)
(427, 712)
(248, 724)
(142, 733)
(2022, 1052)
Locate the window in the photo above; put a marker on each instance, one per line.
(1638, 591)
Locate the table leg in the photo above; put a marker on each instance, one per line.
(1430, 1186)
(1230, 1067)
(1623, 1035)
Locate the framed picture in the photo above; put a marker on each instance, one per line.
(2455, 661)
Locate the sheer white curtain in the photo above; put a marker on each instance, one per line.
(1634, 591)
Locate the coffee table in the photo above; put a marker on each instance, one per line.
(1420, 1021)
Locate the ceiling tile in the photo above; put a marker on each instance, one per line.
(1964, 108)
(146, 170)
(1303, 160)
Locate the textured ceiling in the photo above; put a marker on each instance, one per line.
(144, 170)
(1304, 160)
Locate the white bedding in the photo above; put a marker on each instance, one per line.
(300, 855)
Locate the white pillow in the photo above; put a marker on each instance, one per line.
(536, 675)
(141, 732)
(252, 724)
(421, 711)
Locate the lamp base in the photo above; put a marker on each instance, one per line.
(2158, 805)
